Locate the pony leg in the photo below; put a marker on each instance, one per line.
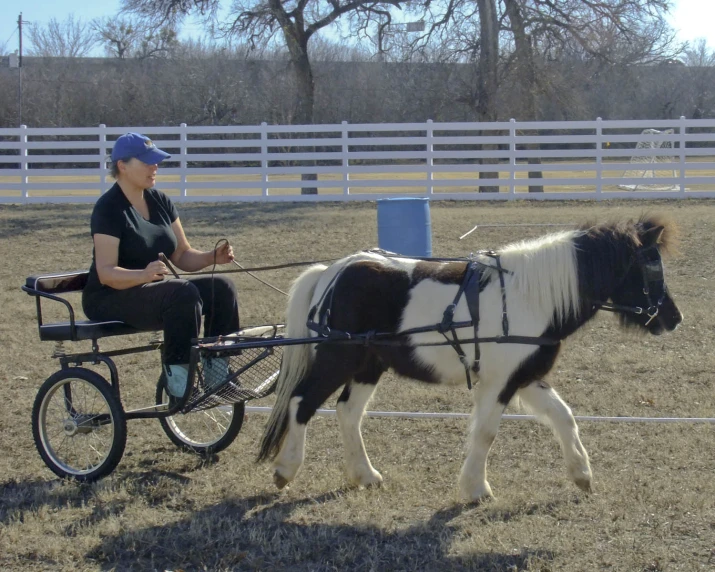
(327, 375)
(350, 410)
(486, 416)
(289, 459)
(547, 405)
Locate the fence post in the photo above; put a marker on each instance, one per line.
(183, 165)
(599, 158)
(682, 154)
(24, 180)
(102, 158)
(264, 159)
(430, 158)
(345, 159)
(512, 158)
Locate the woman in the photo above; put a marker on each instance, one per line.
(132, 226)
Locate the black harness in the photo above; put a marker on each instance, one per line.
(652, 272)
(469, 288)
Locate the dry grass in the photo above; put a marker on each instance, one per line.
(414, 182)
(653, 507)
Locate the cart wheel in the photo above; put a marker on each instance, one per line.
(78, 425)
(204, 432)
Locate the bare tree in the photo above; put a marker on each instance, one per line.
(529, 32)
(157, 43)
(118, 35)
(135, 38)
(68, 39)
(700, 62)
(262, 22)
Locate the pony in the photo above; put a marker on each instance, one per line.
(506, 323)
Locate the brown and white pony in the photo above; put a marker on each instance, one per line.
(552, 286)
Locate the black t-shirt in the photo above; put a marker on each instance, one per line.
(140, 240)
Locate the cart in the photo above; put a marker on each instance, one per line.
(79, 424)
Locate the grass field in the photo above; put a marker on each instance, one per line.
(652, 509)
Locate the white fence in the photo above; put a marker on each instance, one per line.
(578, 160)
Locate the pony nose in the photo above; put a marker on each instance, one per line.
(677, 319)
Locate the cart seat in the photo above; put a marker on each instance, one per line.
(53, 286)
(84, 330)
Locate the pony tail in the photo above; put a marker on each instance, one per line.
(296, 359)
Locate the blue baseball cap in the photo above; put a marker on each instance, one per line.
(136, 146)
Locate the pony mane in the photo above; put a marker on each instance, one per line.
(550, 273)
(668, 242)
(545, 272)
(630, 230)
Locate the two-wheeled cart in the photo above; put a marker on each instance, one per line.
(79, 424)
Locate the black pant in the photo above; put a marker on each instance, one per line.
(174, 306)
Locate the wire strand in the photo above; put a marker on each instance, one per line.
(11, 35)
(252, 275)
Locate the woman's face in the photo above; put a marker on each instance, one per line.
(138, 174)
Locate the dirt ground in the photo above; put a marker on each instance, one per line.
(653, 504)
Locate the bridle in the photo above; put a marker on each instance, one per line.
(652, 273)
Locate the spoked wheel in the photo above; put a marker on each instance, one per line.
(204, 432)
(78, 425)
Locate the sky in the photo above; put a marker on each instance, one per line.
(693, 19)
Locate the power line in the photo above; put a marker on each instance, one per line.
(11, 35)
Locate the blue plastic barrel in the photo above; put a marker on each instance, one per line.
(404, 227)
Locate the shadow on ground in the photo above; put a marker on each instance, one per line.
(259, 533)
(19, 497)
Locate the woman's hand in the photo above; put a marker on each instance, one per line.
(224, 253)
(155, 271)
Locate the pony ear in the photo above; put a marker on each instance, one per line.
(652, 236)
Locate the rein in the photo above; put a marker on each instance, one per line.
(250, 269)
(240, 269)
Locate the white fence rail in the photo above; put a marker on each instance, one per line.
(577, 160)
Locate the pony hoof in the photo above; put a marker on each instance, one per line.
(477, 495)
(479, 501)
(584, 485)
(279, 480)
(366, 481)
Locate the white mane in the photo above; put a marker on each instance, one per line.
(545, 272)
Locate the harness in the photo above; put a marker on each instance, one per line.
(652, 273)
(469, 288)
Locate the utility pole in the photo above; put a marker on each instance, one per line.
(19, 72)
(20, 22)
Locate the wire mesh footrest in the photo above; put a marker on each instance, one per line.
(226, 372)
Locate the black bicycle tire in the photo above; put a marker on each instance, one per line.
(228, 437)
(119, 423)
